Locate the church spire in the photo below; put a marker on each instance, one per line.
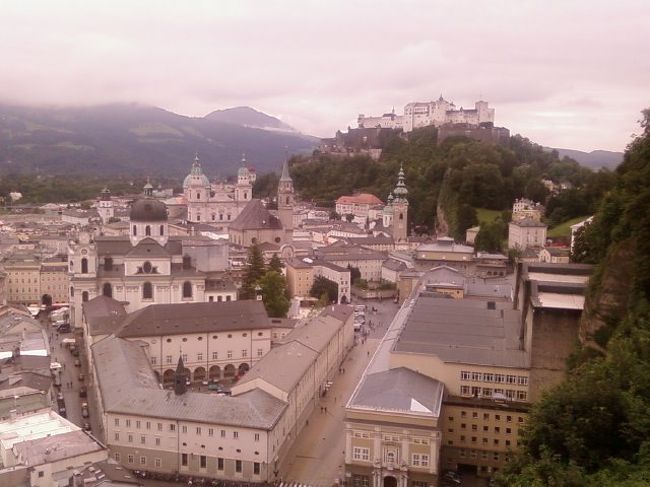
(285, 171)
(180, 387)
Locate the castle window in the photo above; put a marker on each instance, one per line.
(187, 289)
(135, 231)
(198, 196)
(84, 296)
(84, 266)
(221, 216)
(162, 230)
(147, 231)
(147, 291)
(107, 290)
(71, 292)
(214, 217)
(245, 195)
(401, 216)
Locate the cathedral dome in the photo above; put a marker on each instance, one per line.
(196, 176)
(243, 172)
(148, 210)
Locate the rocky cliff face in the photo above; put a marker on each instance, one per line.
(607, 301)
(442, 227)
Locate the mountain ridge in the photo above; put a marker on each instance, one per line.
(135, 139)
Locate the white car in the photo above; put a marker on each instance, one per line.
(55, 366)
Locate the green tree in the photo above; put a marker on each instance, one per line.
(254, 272)
(349, 217)
(324, 287)
(489, 238)
(466, 218)
(355, 273)
(274, 294)
(275, 264)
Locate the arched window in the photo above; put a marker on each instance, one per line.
(401, 216)
(108, 263)
(84, 296)
(187, 289)
(71, 264)
(198, 196)
(71, 292)
(147, 231)
(135, 231)
(287, 200)
(84, 266)
(162, 230)
(107, 290)
(147, 291)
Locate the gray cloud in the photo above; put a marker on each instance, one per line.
(571, 74)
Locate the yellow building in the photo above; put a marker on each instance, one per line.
(300, 278)
(54, 281)
(392, 434)
(23, 281)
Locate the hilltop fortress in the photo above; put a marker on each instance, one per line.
(424, 114)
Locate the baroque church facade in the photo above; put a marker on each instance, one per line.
(148, 266)
(216, 203)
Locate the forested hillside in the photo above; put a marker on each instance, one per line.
(447, 182)
(594, 429)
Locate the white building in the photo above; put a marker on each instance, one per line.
(526, 233)
(436, 113)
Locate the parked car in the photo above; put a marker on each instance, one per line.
(84, 410)
(63, 413)
(82, 377)
(77, 362)
(64, 328)
(75, 352)
(59, 396)
(87, 426)
(83, 392)
(55, 366)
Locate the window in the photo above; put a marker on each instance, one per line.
(135, 231)
(143, 439)
(244, 353)
(157, 462)
(464, 390)
(522, 380)
(184, 355)
(184, 459)
(147, 291)
(223, 433)
(260, 352)
(117, 436)
(511, 379)
(238, 466)
(198, 430)
(41, 473)
(215, 355)
(162, 230)
(147, 231)
(137, 424)
(203, 461)
(210, 431)
(107, 290)
(168, 359)
(172, 427)
(187, 289)
(130, 438)
(117, 421)
(229, 354)
(256, 468)
(362, 454)
(476, 376)
(143, 460)
(157, 440)
(235, 435)
(464, 375)
(199, 357)
(128, 423)
(184, 429)
(84, 296)
(521, 395)
(148, 425)
(257, 437)
(219, 463)
(84, 266)
(130, 458)
(160, 427)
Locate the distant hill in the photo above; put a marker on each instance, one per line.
(140, 140)
(249, 117)
(595, 159)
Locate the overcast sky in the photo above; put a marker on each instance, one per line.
(571, 74)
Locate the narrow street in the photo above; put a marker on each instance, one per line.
(317, 455)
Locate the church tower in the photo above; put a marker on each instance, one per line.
(196, 189)
(244, 188)
(285, 198)
(105, 206)
(400, 207)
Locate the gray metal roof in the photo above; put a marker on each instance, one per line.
(399, 389)
(129, 386)
(103, 315)
(464, 331)
(174, 319)
(254, 216)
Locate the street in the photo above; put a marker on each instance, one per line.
(317, 455)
